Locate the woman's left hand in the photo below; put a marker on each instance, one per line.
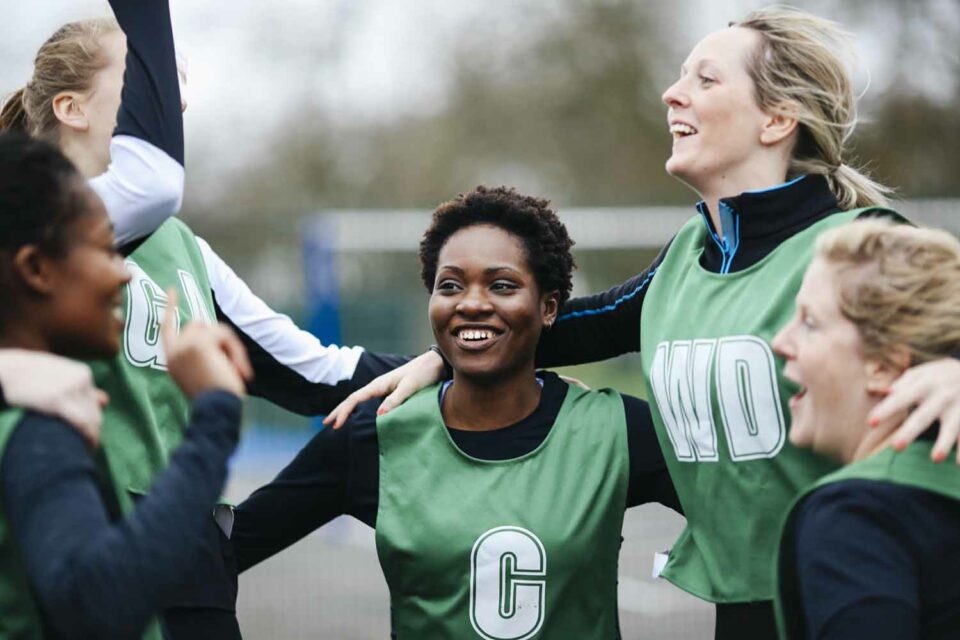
(932, 390)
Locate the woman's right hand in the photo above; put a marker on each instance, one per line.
(204, 357)
(400, 384)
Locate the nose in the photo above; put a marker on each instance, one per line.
(782, 343)
(675, 96)
(183, 105)
(123, 274)
(474, 303)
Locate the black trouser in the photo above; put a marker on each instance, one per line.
(205, 607)
(746, 621)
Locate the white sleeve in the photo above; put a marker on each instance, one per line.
(142, 187)
(275, 333)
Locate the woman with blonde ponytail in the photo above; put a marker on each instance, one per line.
(760, 117)
(132, 155)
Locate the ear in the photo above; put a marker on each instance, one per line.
(779, 125)
(882, 373)
(69, 110)
(549, 307)
(34, 269)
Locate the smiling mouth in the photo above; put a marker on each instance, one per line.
(474, 338)
(682, 130)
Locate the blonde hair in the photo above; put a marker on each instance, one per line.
(796, 68)
(900, 285)
(67, 61)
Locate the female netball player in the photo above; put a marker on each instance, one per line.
(759, 116)
(69, 568)
(500, 462)
(871, 550)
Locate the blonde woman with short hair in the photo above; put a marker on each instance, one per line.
(870, 551)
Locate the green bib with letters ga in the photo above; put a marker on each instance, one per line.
(911, 467)
(19, 615)
(505, 549)
(719, 403)
(144, 422)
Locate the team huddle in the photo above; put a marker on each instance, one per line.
(799, 342)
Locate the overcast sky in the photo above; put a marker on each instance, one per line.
(251, 62)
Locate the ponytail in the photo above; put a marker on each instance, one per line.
(13, 114)
(796, 63)
(854, 188)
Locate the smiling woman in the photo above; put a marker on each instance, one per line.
(870, 551)
(498, 496)
(70, 564)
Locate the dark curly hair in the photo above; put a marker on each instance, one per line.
(39, 197)
(531, 219)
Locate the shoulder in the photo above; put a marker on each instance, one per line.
(40, 445)
(852, 512)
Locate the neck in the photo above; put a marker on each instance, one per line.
(480, 405)
(733, 183)
(76, 152)
(23, 337)
(872, 440)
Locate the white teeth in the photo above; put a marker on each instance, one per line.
(475, 334)
(680, 128)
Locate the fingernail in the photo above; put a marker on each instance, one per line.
(381, 411)
(874, 422)
(899, 445)
(939, 457)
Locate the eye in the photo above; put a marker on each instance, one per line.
(706, 80)
(447, 286)
(504, 286)
(807, 321)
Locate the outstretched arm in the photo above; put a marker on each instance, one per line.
(143, 186)
(292, 368)
(599, 326)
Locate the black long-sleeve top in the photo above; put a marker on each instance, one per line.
(95, 578)
(337, 473)
(604, 325)
(877, 561)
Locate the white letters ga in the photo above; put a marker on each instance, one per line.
(146, 304)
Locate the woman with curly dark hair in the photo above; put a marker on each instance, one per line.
(501, 464)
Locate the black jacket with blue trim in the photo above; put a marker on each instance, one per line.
(604, 325)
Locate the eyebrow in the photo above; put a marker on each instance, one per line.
(487, 271)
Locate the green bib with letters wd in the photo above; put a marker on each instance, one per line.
(19, 615)
(505, 549)
(147, 413)
(719, 403)
(911, 467)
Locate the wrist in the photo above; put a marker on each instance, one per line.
(447, 368)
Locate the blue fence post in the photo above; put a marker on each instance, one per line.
(321, 281)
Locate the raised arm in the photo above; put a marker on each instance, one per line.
(292, 368)
(143, 186)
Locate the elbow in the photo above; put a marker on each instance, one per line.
(165, 193)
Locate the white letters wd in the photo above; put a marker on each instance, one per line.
(746, 391)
